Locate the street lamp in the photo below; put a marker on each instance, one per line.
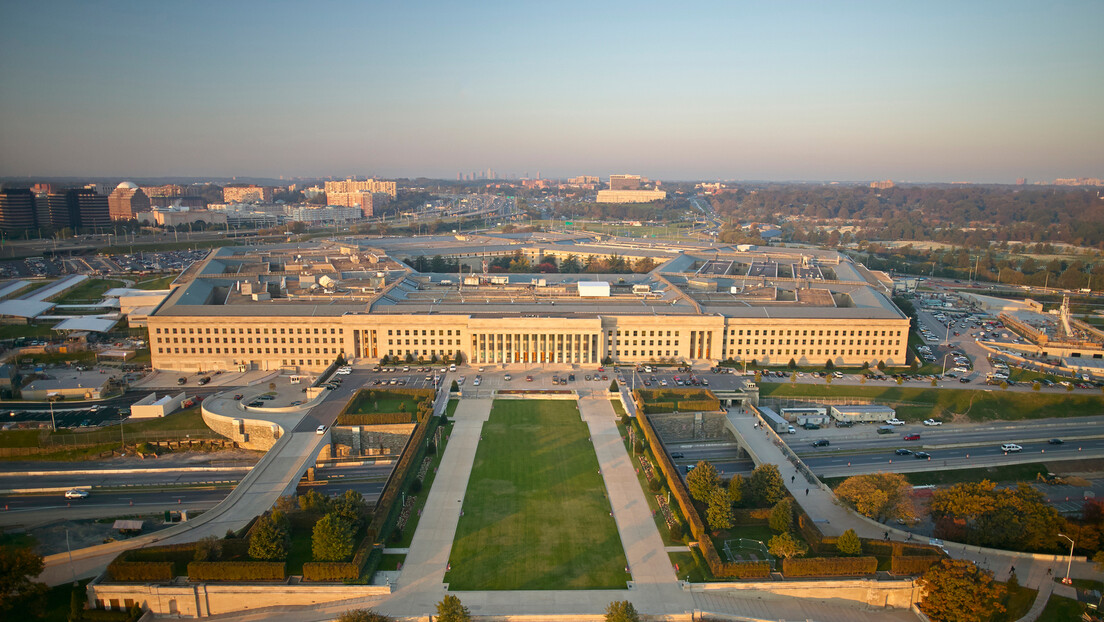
(1067, 580)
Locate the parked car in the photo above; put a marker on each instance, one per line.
(809, 425)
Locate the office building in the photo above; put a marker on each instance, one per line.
(18, 213)
(624, 182)
(247, 194)
(630, 196)
(78, 209)
(362, 199)
(298, 307)
(369, 185)
(126, 201)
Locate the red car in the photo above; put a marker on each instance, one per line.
(911, 437)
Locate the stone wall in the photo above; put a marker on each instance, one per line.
(899, 594)
(247, 433)
(690, 426)
(368, 440)
(198, 600)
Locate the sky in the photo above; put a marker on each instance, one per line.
(926, 91)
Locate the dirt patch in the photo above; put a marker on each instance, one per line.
(84, 533)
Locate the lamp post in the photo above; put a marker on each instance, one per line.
(1067, 580)
(945, 364)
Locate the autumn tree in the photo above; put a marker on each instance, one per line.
(270, 538)
(363, 615)
(881, 496)
(956, 590)
(1017, 518)
(765, 485)
(719, 514)
(18, 589)
(784, 545)
(737, 488)
(332, 540)
(352, 507)
(450, 609)
(621, 611)
(701, 481)
(781, 516)
(848, 543)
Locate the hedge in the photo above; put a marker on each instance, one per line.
(829, 566)
(899, 549)
(746, 570)
(237, 571)
(659, 407)
(699, 405)
(916, 564)
(375, 418)
(331, 572)
(142, 572)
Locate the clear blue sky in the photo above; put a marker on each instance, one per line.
(925, 91)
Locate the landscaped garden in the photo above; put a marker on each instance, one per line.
(379, 406)
(675, 400)
(536, 514)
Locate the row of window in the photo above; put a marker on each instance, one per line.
(817, 342)
(432, 342)
(250, 331)
(810, 333)
(818, 352)
(246, 340)
(432, 332)
(246, 351)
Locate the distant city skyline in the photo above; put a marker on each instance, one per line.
(986, 92)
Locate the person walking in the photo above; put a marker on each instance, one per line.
(806, 492)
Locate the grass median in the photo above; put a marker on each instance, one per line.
(536, 515)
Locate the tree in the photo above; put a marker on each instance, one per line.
(737, 489)
(781, 516)
(765, 485)
(363, 615)
(849, 543)
(792, 364)
(313, 501)
(621, 611)
(332, 540)
(208, 549)
(272, 386)
(18, 590)
(881, 496)
(1016, 518)
(958, 591)
(1098, 559)
(270, 538)
(702, 480)
(351, 507)
(450, 609)
(719, 514)
(829, 365)
(786, 546)
(455, 388)
(613, 386)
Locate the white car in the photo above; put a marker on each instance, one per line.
(76, 494)
(894, 421)
(1011, 447)
(320, 430)
(932, 422)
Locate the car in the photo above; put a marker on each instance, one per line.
(238, 396)
(587, 377)
(809, 425)
(823, 442)
(1055, 441)
(790, 430)
(677, 455)
(964, 380)
(932, 422)
(845, 424)
(903, 452)
(255, 404)
(1011, 447)
(571, 377)
(181, 381)
(911, 437)
(528, 379)
(507, 377)
(76, 494)
(894, 421)
(320, 429)
(922, 455)
(204, 380)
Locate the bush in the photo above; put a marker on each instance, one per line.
(270, 537)
(675, 531)
(781, 516)
(363, 615)
(332, 540)
(373, 419)
(901, 565)
(141, 572)
(830, 566)
(330, 572)
(745, 570)
(621, 611)
(237, 571)
(849, 544)
(416, 486)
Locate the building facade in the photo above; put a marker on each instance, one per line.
(18, 212)
(78, 209)
(127, 201)
(389, 188)
(247, 194)
(362, 199)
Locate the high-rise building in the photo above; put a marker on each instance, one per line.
(79, 208)
(362, 199)
(247, 194)
(17, 210)
(624, 182)
(126, 201)
(367, 185)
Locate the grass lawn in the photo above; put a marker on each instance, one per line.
(978, 405)
(536, 515)
(161, 282)
(391, 561)
(91, 290)
(999, 474)
(450, 409)
(618, 408)
(30, 331)
(371, 401)
(1061, 609)
(88, 358)
(299, 552)
(689, 566)
(1016, 603)
(19, 438)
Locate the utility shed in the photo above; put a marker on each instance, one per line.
(594, 289)
(863, 413)
(777, 423)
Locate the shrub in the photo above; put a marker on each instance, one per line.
(786, 546)
(781, 516)
(237, 571)
(450, 609)
(208, 549)
(330, 572)
(744, 570)
(621, 611)
(675, 531)
(830, 566)
(416, 486)
(765, 485)
(702, 481)
(916, 564)
(363, 615)
(719, 513)
(270, 538)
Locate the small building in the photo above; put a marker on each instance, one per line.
(772, 419)
(863, 413)
(82, 386)
(808, 414)
(150, 406)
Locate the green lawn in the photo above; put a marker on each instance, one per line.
(618, 408)
(1009, 473)
(91, 290)
(19, 438)
(161, 282)
(689, 566)
(1017, 601)
(15, 331)
(978, 405)
(391, 561)
(536, 515)
(371, 401)
(1061, 609)
(88, 358)
(450, 409)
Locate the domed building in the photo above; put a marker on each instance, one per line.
(127, 201)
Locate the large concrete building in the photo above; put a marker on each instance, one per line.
(361, 199)
(369, 185)
(18, 212)
(247, 194)
(298, 307)
(127, 201)
(78, 209)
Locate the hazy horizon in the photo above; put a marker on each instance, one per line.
(983, 92)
